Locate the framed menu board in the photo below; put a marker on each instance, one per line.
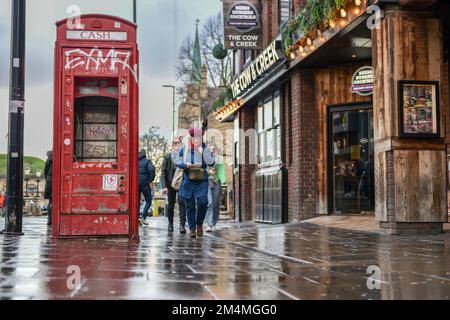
(419, 109)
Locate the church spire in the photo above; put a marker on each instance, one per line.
(196, 75)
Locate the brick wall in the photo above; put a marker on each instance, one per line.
(247, 120)
(302, 148)
(298, 5)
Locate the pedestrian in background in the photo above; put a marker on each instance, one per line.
(146, 177)
(167, 173)
(2, 203)
(194, 158)
(217, 178)
(48, 174)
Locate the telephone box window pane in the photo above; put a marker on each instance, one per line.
(99, 150)
(100, 132)
(96, 129)
(100, 114)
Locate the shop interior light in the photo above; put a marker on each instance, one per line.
(332, 24)
(343, 22)
(309, 41)
(358, 2)
(301, 49)
(357, 11)
(343, 13)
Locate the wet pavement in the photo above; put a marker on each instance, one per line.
(297, 261)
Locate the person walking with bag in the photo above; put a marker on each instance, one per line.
(167, 175)
(217, 177)
(194, 158)
(146, 176)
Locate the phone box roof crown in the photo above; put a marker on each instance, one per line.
(96, 28)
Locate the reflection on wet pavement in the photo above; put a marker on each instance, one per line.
(298, 261)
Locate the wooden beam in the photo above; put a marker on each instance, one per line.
(417, 4)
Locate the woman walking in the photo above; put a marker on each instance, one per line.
(194, 158)
(217, 178)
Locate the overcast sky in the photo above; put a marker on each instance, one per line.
(163, 24)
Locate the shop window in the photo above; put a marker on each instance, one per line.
(96, 129)
(236, 62)
(269, 129)
(236, 143)
(247, 56)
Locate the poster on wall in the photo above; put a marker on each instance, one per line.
(242, 27)
(419, 109)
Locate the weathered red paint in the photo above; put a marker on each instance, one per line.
(96, 67)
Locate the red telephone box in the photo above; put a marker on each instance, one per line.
(95, 151)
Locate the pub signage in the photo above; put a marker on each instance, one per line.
(242, 27)
(268, 58)
(362, 81)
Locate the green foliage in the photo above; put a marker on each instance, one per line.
(32, 162)
(314, 14)
(328, 9)
(339, 3)
(219, 52)
(223, 99)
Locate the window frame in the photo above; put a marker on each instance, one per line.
(267, 134)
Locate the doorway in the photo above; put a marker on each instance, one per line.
(351, 159)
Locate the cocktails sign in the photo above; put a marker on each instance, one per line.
(242, 24)
(362, 81)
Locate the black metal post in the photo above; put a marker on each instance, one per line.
(14, 182)
(26, 186)
(134, 11)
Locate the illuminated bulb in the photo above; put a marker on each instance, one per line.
(343, 22)
(309, 41)
(358, 2)
(322, 39)
(357, 11)
(312, 47)
(332, 24)
(343, 13)
(304, 54)
(301, 49)
(292, 55)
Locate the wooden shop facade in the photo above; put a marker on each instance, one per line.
(351, 117)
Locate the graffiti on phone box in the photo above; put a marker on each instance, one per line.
(95, 60)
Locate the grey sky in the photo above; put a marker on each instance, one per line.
(161, 30)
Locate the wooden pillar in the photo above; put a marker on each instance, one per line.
(410, 173)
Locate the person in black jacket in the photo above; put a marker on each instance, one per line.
(146, 176)
(167, 173)
(48, 174)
